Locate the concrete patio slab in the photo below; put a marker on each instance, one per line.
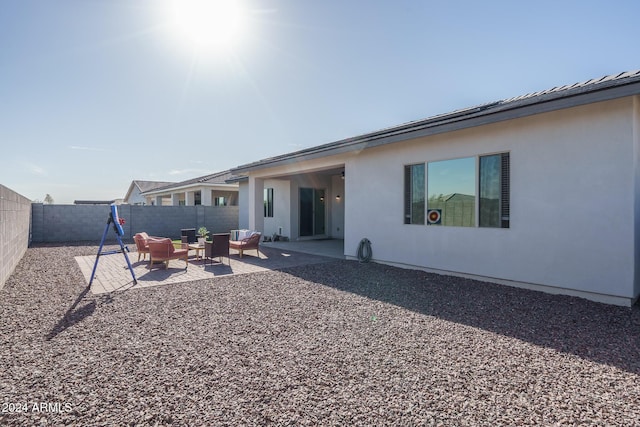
(112, 273)
(333, 248)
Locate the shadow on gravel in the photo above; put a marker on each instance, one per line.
(601, 333)
(73, 315)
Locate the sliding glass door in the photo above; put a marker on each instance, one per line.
(312, 212)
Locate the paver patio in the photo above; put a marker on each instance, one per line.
(112, 273)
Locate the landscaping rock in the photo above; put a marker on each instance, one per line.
(339, 343)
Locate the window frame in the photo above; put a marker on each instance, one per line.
(504, 189)
(475, 161)
(408, 194)
(268, 202)
(504, 201)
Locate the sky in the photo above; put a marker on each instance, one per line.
(97, 93)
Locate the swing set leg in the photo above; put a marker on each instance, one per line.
(95, 265)
(123, 249)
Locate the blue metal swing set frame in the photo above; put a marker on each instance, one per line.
(117, 227)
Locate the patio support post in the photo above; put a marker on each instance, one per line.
(256, 204)
(175, 199)
(189, 198)
(205, 197)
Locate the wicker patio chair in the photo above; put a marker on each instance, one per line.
(142, 243)
(251, 242)
(164, 251)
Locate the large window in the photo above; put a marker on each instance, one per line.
(414, 194)
(467, 192)
(452, 192)
(268, 202)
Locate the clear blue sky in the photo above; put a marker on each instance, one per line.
(97, 93)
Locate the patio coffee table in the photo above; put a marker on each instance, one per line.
(197, 247)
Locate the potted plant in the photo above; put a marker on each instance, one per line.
(202, 233)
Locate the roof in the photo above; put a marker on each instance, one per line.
(459, 197)
(144, 186)
(594, 90)
(218, 178)
(150, 185)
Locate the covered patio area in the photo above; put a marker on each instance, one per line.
(332, 248)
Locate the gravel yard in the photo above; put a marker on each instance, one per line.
(338, 343)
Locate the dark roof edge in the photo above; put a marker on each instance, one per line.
(237, 179)
(603, 89)
(201, 180)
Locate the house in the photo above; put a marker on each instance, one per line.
(549, 183)
(137, 187)
(208, 190)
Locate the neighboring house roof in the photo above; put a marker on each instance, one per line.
(458, 197)
(143, 186)
(150, 185)
(218, 178)
(594, 90)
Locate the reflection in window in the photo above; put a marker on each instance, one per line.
(414, 194)
(268, 202)
(452, 192)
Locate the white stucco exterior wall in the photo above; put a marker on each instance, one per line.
(573, 186)
(135, 198)
(243, 203)
(575, 210)
(337, 207)
(281, 208)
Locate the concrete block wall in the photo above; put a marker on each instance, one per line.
(169, 220)
(71, 223)
(15, 219)
(220, 219)
(165, 221)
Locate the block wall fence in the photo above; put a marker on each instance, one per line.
(75, 223)
(15, 220)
